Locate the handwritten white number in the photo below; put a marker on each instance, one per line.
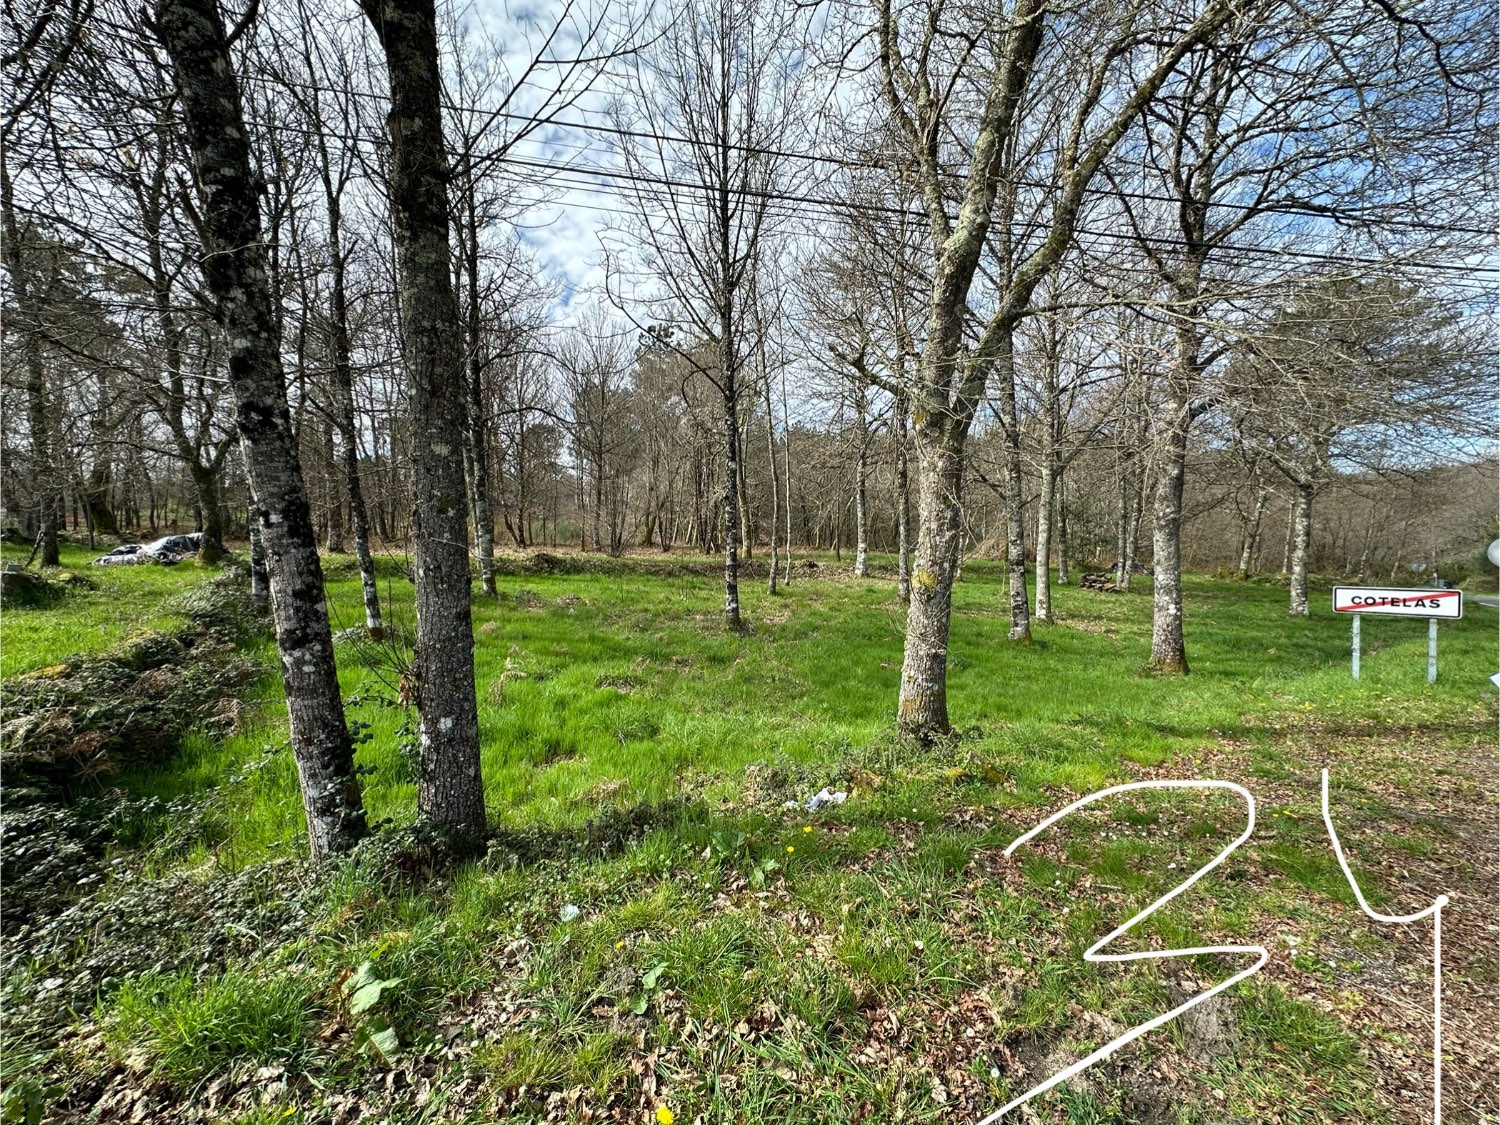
(1093, 953)
(1436, 910)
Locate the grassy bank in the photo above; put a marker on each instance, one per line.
(734, 960)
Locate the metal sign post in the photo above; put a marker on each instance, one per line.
(1397, 602)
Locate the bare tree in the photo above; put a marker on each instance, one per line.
(708, 113)
(595, 368)
(923, 66)
(193, 34)
(450, 791)
(44, 38)
(1345, 373)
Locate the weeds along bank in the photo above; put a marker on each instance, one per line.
(726, 956)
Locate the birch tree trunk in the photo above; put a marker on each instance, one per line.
(233, 263)
(1301, 541)
(1062, 530)
(731, 496)
(1044, 517)
(450, 791)
(1168, 648)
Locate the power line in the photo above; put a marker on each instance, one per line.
(1287, 209)
(786, 201)
(1290, 209)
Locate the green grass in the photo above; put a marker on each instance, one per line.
(191, 1031)
(128, 599)
(758, 956)
(621, 688)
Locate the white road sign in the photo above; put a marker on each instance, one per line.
(1398, 602)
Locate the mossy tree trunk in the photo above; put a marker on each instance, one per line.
(923, 706)
(234, 270)
(450, 792)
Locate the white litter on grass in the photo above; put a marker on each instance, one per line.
(569, 913)
(825, 796)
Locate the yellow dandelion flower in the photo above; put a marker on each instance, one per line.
(807, 828)
(664, 1115)
(790, 849)
(620, 944)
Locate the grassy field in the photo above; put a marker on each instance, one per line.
(653, 930)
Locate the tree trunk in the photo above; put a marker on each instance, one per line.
(206, 487)
(1122, 531)
(775, 486)
(598, 505)
(233, 264)
(348, 424)
(38, 420)
(731, 498)
(922, 708)
(334, 544)
(1395, 559)
(786, 471)
(478, 432)
(1301, 541)
(742, 498)
(1062, 533)
(1369, 542)
(903, 507)
(1291, 527)
(1133, 525)
(861, 484)
(450, 790)
(1168, 647)
(1015, 499)
(1252, 533)
(101, 516)
(260, 583)
(1044, 514)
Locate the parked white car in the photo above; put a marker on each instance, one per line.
(167, 551)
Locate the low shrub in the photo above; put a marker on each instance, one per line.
(78, 723)
(223, 606)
